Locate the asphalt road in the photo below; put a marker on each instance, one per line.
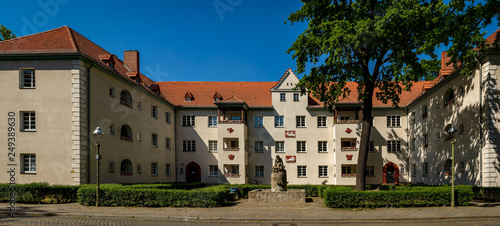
(70, 220)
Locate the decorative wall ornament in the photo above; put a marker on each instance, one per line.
(348, 130)
(231, 157)
(230, 130)
(290, 133)
(290, 158)
(349, 157)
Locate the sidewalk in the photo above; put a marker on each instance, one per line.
(244, 210)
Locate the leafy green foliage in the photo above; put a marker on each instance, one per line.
(6, 34)
(40, 192)
(380, 44)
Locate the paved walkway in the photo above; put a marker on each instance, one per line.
(243, 210)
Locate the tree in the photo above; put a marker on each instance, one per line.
(6, 33)
(381, 44)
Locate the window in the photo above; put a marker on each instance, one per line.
(232, 170)
(154, 111)
(449, 97)
(154, 140)
(188, 120)
(414, 170)
(279, 121)
(370, 171)
(167, 117)
(29, 122)
(139, 105)
(438, 136)
(259, 171)
(282, 97)
(126, 98)
(111, 167)
(28, 78)
(126, 133)
(412, 118)
(344, 118)
(426, 140)
(258, 121)
(348, 170)
(154, 168)
(126, 167)
(212, 146)
(461, 91)
(371, 147)
(301, 171)
(189, 145)
(212, 121)
(259, 146)
(29, 161)
(296, 97)
(168, 143)
(393, 146)
(461, 128)
(181, 171)
(188, 99)
(424, 111)
(280, 146)
(139, 168)
(213, 170)
(300, 121)
(139, 136)
(112, 129)
(393, 121)
(322, 171)
(168, 169)
(301, 146)
(321, 121)
(413, 144)
(322, 146)
(447, 167)
(112, 92)
(461, 166)
(425, 169)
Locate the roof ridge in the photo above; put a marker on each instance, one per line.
(26, 36)
(72, 38)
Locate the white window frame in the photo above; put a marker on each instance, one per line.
(258, 121)
(154, 169)
(154, 140)
(212, 121)
(322, 146)
(188, 120)
(32, 78)
(259, 146)
(296, 97)
(154, 111)
(301, 146)
(168, 169)
(213, 170)
(321, 121)
(393, 121)
(212, 146)
(394, 146)
(300, 121)
(279, 148)
(29, 121)
(279, 121)
(370, 171)
(167, 117)
(322, 171)
(425, 169)
(111, 167)
(168, 143)
(259, 171)
(283, 97)
(29, 163)
(301, 171)
(189, 146)
(371, 146)
(111, 91)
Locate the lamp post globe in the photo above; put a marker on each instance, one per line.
(452, 130)
(98, 136)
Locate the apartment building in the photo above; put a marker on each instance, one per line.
(59, 86)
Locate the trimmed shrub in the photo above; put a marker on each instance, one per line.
(40, 192)
(112, 195)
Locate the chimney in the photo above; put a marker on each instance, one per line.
(131, 58)
(445, 69)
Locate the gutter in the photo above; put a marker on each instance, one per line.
(408, 141)
(480, 123)
(88, 121)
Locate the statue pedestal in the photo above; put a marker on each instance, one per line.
(278, 181)
(266, 195)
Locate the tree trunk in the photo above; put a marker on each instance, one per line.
(365, 138)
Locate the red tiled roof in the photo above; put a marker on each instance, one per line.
(254, 94)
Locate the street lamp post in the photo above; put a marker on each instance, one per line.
(452, 132)
(98, 136)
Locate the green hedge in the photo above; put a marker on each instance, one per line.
(40, 192)
(400, 197)
(488, 193)
(116, 195)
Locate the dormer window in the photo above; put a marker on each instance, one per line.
(111, 65)
(108, 60)
(188, 97)
(217, 96)
(449, 97)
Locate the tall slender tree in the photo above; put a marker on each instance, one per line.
(380, 44)
(6, 33)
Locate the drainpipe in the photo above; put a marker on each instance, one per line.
(175, 143)
(88, 122)
(408, 141)
(480, 122)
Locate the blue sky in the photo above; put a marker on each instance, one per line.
(213, 40)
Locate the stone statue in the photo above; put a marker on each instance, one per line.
(278, 176)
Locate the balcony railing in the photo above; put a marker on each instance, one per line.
(125, 103)
(348, 175)
(232, 175)
(348, 121)
(231, 121)
(231, 149)
(126, 138)
(348, 148)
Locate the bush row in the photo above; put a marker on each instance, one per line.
(39, 192)
(399, 197)
(112, 195)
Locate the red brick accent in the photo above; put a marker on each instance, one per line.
(131, 59)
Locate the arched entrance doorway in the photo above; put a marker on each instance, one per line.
(193, 173)
(391, 173)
